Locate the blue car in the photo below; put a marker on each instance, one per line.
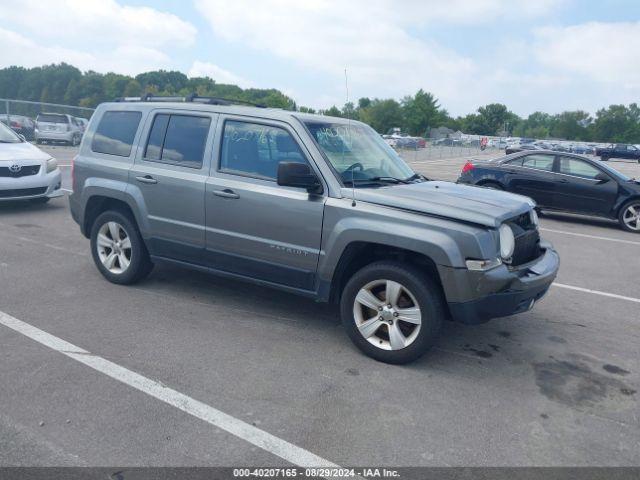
(562, 182)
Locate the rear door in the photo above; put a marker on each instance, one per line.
(170, 172)
(578, 189)
(256, 227)
(532, 175)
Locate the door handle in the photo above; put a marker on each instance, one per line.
(226, 193)
(147, 179)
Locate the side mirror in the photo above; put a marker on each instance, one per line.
(602, 178)
(299, 175)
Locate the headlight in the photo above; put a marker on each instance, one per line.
(534, 217)
(52, 164)
(507, 242)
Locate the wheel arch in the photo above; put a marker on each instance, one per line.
(359, 254)
(99, 203)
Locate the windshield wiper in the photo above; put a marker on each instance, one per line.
(391, 180)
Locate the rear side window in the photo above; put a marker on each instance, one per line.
(177, 140)
(52, 118)
(539, 162)
(256, 150)
(115, 133)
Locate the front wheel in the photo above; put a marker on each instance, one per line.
(629, 217)
(392, 311)
(118, 249)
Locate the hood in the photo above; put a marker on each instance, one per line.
(445, 199)
(21, 151)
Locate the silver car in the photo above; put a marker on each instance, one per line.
(26, 172)
(57, 127)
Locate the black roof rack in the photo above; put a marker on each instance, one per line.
(191, 98)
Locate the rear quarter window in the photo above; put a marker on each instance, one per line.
(115, 133)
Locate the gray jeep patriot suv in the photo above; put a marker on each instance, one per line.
(314, 205)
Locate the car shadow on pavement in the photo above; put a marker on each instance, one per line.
(580, 220)
(458, 346)
(22, 206)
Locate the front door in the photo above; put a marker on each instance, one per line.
(533, 177)
(170, 173)
(578, 189)
(255, 227)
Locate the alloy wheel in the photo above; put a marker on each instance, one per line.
(387, 314)
(631, 217)
(114, 247)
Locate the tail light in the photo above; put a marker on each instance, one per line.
(467, 167)
(73, 176)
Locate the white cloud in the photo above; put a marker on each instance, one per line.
(20, 50)
(371, 38)
(604, 52)
(97, 21)
(219, 74)
(100, 35)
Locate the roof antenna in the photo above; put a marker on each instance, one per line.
(353, 182)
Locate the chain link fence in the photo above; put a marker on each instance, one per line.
(22, 116)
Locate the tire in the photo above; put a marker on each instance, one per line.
(417, 290)
(604, 159)
(625, 213)
(38, 142)
(492, 185)
(139, 264)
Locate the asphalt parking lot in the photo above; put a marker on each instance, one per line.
(556, 386)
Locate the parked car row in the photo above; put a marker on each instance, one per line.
(530, 144)
(48, 127)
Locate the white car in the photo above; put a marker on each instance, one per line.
(26, 172)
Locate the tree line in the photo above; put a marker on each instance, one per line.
(414, 114)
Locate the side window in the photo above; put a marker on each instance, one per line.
(515, 163)
(177, 140)
(256, 150)
(573, 166)
(115, 133)
(539, 162)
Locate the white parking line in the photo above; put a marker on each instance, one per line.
(597, 292)
(272, 444)
(595, 237)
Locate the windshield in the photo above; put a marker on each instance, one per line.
(613, 171)
(358, 153)
(7, 135)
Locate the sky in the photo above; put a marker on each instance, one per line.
(548, 55)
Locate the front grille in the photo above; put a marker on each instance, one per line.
(527, 247)
(25, 171)
(527, 239)
(22, 192)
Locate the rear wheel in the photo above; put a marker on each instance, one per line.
(604, 158)
(392, 311)
(492, 185)
(629, 216)
(118, 249)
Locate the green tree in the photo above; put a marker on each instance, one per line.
(421, 112)
(382, 115)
